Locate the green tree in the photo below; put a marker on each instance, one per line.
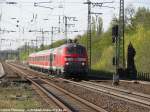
(100, 26)
(93, 26)
(142, 17)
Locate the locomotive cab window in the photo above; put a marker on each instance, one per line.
(76, 50)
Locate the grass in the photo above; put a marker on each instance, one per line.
(18, 98)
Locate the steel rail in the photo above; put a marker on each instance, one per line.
(139, 101)
(121, 90)
(87, 103)
(60, 104)
(99, 109)
(128, 98)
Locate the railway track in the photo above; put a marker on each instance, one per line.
(131, 96)
(139, 99)
(64, 99)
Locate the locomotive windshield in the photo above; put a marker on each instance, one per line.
(76, 50)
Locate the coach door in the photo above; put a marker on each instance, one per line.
(51, 60)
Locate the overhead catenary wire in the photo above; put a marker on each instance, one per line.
(51, 16)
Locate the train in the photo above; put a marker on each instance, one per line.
(67, 60)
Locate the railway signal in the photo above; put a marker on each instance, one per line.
(119, 41)
(115, 33)
(116, 42)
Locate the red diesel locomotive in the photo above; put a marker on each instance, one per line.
(68, 59)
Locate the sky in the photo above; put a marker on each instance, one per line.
(42, 17)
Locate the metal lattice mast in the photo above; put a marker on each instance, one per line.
(89, 35)
(66, 29)
(52, 34)
(121, 41)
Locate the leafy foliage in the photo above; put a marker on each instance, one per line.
(137, 31)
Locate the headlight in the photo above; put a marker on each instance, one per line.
(67, 64)
(83, 64)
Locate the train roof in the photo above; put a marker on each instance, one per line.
(70, 45)
(41, 53)
(47, 52)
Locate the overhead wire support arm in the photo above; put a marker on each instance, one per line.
(109, 7)
(96, 13)
(44, 2)
(43, 7)
(36, 4)
(11, 3)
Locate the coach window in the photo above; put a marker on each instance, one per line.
(59, 50)
(45, 58)
(48, 57)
